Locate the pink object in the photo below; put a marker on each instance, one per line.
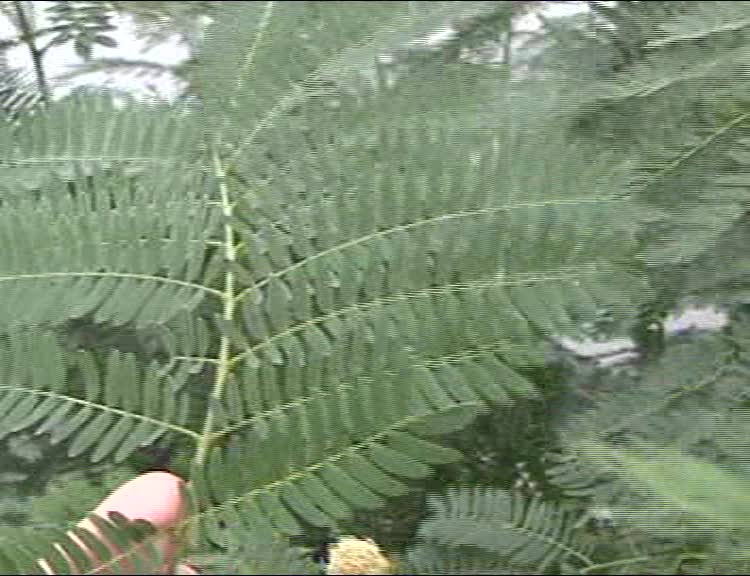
(153, 496)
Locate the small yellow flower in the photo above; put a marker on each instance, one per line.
(352, 555)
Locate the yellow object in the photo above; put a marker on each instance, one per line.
(355, 556)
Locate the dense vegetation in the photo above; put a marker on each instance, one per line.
(328, 285)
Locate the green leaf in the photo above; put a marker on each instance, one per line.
(445, 421)
(324, 498)
(301, 504)
(112, 438)
(397, 463)
(278, 514)
(422, 450)
(349, 489)
(363, 471)
(90, 434)
(61, 432)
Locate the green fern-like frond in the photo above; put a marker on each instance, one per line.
(680, 110)
(522, 534)
(336, 278)
(95, 130)
(117, 407)
(262, 555)
(322, 457)
(87, 242)
(85, 24)
(301, 52)
(109, 214)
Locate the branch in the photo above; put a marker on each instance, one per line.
(27, 36)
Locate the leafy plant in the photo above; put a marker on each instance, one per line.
(305, 279)
(83, 23)
(659, 458)
(496, 532)
(327, 279)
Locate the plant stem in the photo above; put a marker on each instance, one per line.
(224, 361)
(27, 36)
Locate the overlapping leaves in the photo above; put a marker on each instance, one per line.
(375, 283)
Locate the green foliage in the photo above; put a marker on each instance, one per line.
(318, 270)
(85, 24)
(714, 497)
(335, 295)
(677, 110)
(264, 554)
(681, 112)
(505, 533)
(664, 452)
